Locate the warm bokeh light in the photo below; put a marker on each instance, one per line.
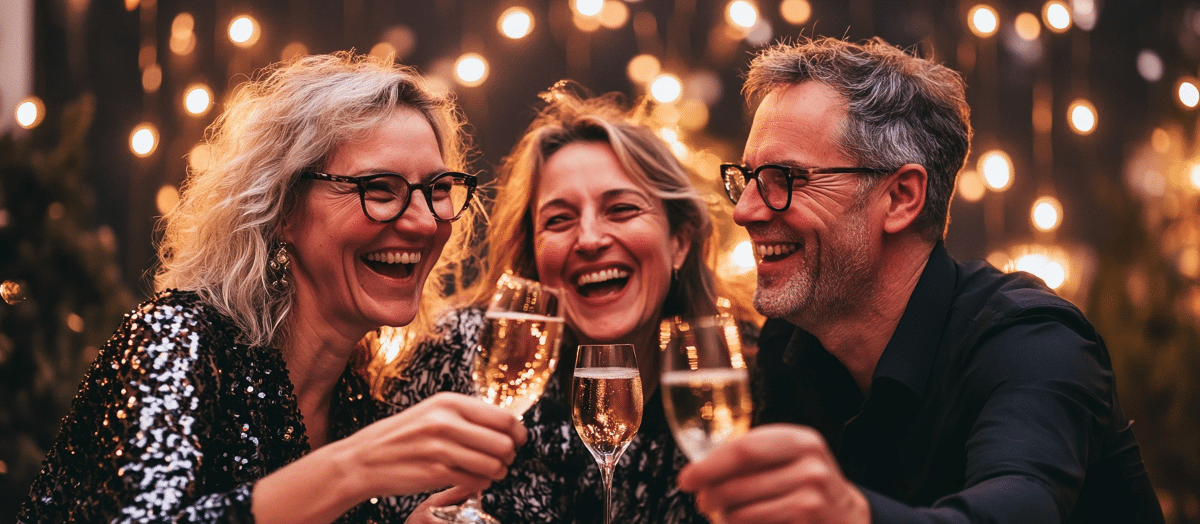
(131, 5)
(795, 12)
(997, 169)
(183, 44)
(666, 88)
(197, 158)
(741, 259)
(1160, 140)
(741, 13)
(970, 185)
(198, 99)
(383, 50)
(143, 140)
(166, 199)
(693, 114)
(471, 69)
(1057, 16)
(983, 20)
(1193, 175)
(293, 50)
(1082, 116)
(151, 78)
(12, 292)
(1051, 271)
(643, 68)
(1046, 213)
(244, 31)
(1028, 26)
(1085, 14)
(30, 112)
(75, 322)
(516, 22)
(588, 7)
(183, 23)
(1150, 65)
(614, 14)
(1189, 95)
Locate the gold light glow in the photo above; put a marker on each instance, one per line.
(983, 20)
(471, 69)
(197, 158)
(795, 12)
(30, 112)
(1057, 16)
(666, 88)
(588, 7)
(643, 68)
(244, 31)
(997, 169)
(516, 22)
(183, 39)
(1189, 94)
(166, 199)
(741, 259)
(1160, 140)
(151, 78)
(1046, 213)
(1053, 272)
(293, 50)
(1082, 115)
(742, 14)
(970, 185)
(198, 99)
(1028, 26)
(143, 140)
(614, 14)
(1193, 175)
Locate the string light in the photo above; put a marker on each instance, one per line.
(742, 14)
(970, 185)
(983, 20)
(1189, 95)
(244, 31)
(666, 88)
(1082, 115)
(166, 199)
(1193, 175)
(471, 69)
(795, 12)
(588, 7)
(997, 170)
(1056, 16)
(30, 112)
(198, 99)
(1046, 213)
(643, 68)
(1027, 26)
(614, 14)
(143, 140)
(516, 22)
(1051, 271)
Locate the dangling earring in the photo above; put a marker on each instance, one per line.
(279, 264)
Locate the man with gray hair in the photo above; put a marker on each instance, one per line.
(893, 383)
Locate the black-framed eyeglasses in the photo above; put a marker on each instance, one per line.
(385, 196)
(776, 182)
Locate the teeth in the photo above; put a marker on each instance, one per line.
(392, 257)
(602, 275)
(775, 250)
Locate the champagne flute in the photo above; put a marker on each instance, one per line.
(606, 406)
(518, 351)
(706, 387)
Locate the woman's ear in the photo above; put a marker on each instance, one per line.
(681, 245)
(905, 197)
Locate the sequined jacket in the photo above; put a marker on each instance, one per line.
(175, 421)
(554, 478)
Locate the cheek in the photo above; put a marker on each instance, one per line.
(549, 257)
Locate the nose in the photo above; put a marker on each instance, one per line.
(593, 234)
(750, 208)
(418, 218)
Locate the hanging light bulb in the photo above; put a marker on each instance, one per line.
(1057, 16)
(983, 20)
(516, 22)
(997, 169)
(244, 31)
(1189, 94)
(1046, 213)
(1082, 115)
(742, 14)
(666, 88)
(143, 140)
(471, 69)
(197, 99)
(30, 112)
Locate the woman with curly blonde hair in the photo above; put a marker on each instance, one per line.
(240, 392)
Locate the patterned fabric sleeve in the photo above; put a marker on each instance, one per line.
(130, 450)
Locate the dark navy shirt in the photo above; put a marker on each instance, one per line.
(992, 402)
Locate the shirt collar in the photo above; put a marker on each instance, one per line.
(910, 354)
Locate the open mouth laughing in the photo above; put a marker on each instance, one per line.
(603, 282)
(774, 252)
(392, 264)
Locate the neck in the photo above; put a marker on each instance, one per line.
(316, 356)
(857, 339)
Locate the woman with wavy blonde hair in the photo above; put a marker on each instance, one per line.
(240, 392)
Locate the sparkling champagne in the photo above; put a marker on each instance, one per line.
(706, 407)
(607, 407)
(518, 353)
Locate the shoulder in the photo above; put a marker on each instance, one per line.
(460, 326)
(173, 324)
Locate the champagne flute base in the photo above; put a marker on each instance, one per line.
(465, 513)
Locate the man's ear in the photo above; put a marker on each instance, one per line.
(905, 196)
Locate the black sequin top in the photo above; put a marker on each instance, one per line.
(175, 421)
(554, 478)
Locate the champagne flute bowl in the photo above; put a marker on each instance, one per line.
(606, 406)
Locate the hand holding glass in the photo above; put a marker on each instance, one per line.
(606, 406)
(706, 387)
(518, 351)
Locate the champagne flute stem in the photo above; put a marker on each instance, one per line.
(606, 469)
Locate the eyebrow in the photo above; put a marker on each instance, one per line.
(611, 193)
